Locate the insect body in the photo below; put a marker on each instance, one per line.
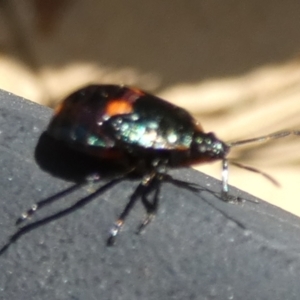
(143, 133)
(117, 122)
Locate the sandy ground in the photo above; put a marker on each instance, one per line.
(233, 64)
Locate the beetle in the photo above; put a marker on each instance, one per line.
(145, 133)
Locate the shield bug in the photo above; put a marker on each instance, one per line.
(146, 134)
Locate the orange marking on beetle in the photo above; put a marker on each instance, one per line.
(59, 108)
(118, 107)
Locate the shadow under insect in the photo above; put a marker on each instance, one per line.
(61, 161)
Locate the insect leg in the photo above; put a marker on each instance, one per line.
(225, 179)
(28, 214)
(80, 203)
(151, 207)
(120, 221)
(139, 192)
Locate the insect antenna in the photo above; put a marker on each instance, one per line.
(296, 132)
(260, 139)
(254, 170)
(264, 138)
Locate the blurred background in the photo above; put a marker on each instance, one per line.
(233, 64)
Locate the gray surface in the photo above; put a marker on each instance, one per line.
(190, 251)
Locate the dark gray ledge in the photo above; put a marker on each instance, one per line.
(190, 251)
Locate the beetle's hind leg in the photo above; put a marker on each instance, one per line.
(80, 203)
(38, 205)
